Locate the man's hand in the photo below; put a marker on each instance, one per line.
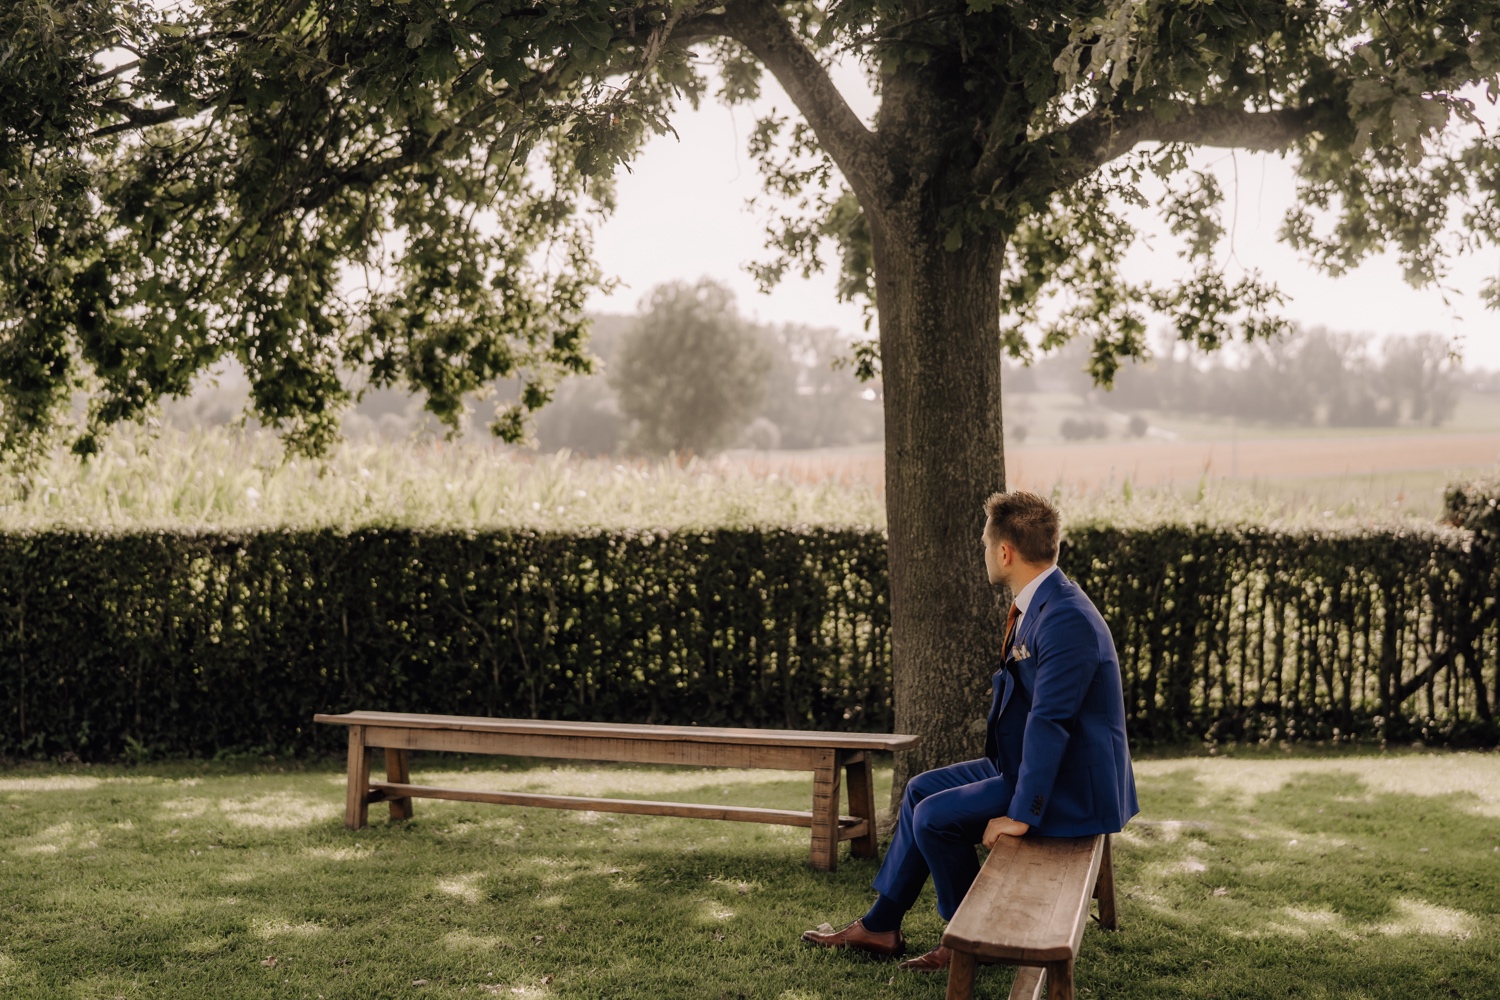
(1002, 826)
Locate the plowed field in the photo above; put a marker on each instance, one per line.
(1159, 463)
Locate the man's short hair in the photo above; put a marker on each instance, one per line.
(1028, 522)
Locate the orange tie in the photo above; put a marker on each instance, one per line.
(1010, 628)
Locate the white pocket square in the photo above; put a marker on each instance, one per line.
(1022, 653)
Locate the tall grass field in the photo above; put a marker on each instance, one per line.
(225, 478)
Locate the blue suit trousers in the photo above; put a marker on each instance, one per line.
(943, 816)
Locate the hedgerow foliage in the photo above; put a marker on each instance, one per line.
(194, 643)
(1475, 505)
(203, 643)
(1247, 633)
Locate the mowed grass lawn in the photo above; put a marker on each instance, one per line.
(1254, 876)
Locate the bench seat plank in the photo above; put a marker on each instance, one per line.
(1030, 902)
(620, 730)
(595, 747)
(850, 827)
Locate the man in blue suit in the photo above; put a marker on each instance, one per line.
(1056, 762)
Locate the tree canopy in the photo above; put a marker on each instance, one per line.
(180, 185)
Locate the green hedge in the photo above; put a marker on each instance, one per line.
(1254, 634)
(1475, 505)
(212, 643)
(199, 644)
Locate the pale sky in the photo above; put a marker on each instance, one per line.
(682, 214)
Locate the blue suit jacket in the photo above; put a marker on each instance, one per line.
(1056, 725)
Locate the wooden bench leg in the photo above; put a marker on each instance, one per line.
(1104, 888)
(357, 794)
(397, 772)
(1060, 980)
(1029, 984)
(825, 824)
(961, 976)
(861, 776)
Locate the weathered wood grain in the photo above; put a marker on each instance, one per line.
(397, 773)
(1104, 887)
(356, 808)
(825, 839)
(1029, 982)
(1060, 980)
(1030, 901)
(861, 776)
(582, 747)
(850, 826)
(688, 734)
(1028, 907)
(961, 976)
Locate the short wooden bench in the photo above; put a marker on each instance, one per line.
(827, 755)
(1028, 908)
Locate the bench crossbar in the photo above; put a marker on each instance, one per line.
(849, 826)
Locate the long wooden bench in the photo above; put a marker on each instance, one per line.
(1028, 908)
(827, 755)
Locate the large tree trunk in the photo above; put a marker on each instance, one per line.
(944, 453)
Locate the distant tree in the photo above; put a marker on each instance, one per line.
(1421, 376)
(692, 372)
(1336, 373)
(814, 402)
(584, 415)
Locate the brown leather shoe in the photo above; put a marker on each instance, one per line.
(885, 943)
(935, 960)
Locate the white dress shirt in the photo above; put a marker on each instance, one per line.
(1023, 599)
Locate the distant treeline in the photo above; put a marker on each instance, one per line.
(746, 384)
(806, 401)
(1313, 377)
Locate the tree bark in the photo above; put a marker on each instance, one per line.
(944, 453)
(939, 314)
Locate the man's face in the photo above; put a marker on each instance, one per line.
(999, 556)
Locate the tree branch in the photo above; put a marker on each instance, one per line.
(701, 28)
(136, 118)
(759, 26)
(1078, 149)
(109, 74)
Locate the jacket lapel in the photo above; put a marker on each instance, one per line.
(1027, 629)
(1000, 687)
(1024, 633)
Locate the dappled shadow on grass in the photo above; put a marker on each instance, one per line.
(1309, 885)
(1313, 885)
